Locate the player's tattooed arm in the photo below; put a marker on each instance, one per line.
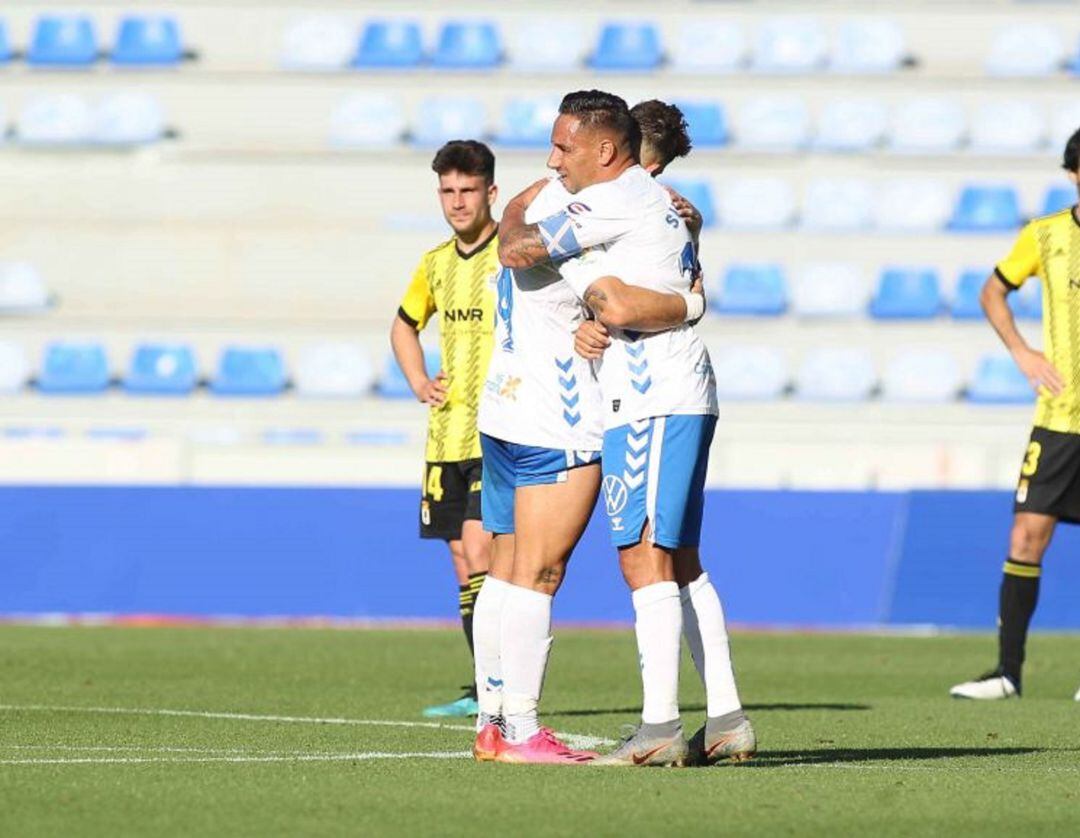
(521, 245)
(623, 306)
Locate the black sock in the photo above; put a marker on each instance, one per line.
(467, 594)
(1019, 594)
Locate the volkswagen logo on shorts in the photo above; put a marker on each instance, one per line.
(614, 494)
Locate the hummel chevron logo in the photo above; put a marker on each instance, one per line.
(494, 682)
(642, 386)
(635, 461)
(571, 418)
(568, 383)
(640, 426)
(634, 351)
(632, 481)
(571, 401)
(637, 443)
(564, 365)
(639, 368)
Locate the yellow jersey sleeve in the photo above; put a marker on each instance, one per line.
(418, 304)
(1022, 261)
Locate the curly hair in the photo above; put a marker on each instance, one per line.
(663, 128)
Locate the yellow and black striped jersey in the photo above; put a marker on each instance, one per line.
(461, 289)
(1049, 248)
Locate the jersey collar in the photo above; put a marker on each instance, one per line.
(479, 248)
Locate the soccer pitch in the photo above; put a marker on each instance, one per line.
(125, 731)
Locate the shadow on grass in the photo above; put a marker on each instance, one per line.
(700, 708)
(824, 756)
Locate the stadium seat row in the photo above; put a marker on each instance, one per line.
(344, 370)
(68, 119)
(22, 289)
(62, 40)
(839, 290)
(768, 123)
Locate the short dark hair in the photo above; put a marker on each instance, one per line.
(597, 109)
(1071, 160)
(470, 157)
(663, 127)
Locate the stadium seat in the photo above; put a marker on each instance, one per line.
(772, 123)
(790, 45)
(627, 45)
(334, 370)
(1058, 198)
(550, 45)
(1025, 49)
(526, 123)
(64, 41)
(468, 45)
(829, 289)
(392, 381)
(999, 381)
(698, 192)
(705, 122)
(907, 294)
(921, 374)
(868, 45)
(368, 120)
(14, 367)
(1007, 127)
(986, 209)
(752, 289)
(1065, 119)
(55, 119)
(837, 205)
(148, 41)
(1026, 303)
(852, 124)
(70, 367)
(965, 300)
(439, 119)
(927, 126)
(5, 44)
(129, 119)
(912, 205)
(757, 204)
(21, 288)
(749, 373)
(162, 369)
(249, 371)
(321, 42)
(709, 45)
(836, 374)
(390, 44)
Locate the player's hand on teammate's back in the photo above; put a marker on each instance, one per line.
(687, 212)
(591, 339)
(1039, 371)
(527, 195)
(433, 390)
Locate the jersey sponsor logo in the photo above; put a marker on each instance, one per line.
(615, 405)
(504, 386)
(456, 315)
(703, 368)
(615, 496)
(577, 208)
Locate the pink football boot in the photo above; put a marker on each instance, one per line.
(489, 743)
(544, 747)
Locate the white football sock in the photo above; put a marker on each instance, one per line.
(487, 624)
(524, 644)
(706, 634)
(658, 626)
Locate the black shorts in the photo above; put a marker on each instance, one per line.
(1050, 476)
(450, 496)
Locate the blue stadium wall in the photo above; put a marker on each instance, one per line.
(780, 558)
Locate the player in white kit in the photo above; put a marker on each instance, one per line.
(541, 422)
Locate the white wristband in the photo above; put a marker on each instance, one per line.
(695, 305)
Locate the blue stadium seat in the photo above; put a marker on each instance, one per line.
(986, 209)
(77, 368)
(753, 289)
(162, 369)
(63, 40)
(907, 294)
(707, 123)
(468, 45)
(392, 382)
(444, 118)
(699, 193)
(153, 40)
(965, 302)
(390, 44)
(5, 44)
(1058, 198)
(627, 46)
(999, 381)
(249, 371)
(526, 123)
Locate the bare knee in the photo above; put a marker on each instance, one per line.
(1030, 537)
(542, 576)
(644, 564)
(477, 547)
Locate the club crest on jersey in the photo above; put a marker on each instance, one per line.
(1022, 492)
(614, 497)
(425, 513)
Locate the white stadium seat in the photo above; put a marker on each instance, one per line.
(547, 44)
(1066, 120)
(908, 205)
(1025, 49)
(129, 119)
(868, 45)
(757, 204)
(55, 119)
(921, 375)
(829, 289)
(1011, 126)
(21, 288)
(442, 118)
(790, 45)
(927, 125)
(836, 374)
(772, 123)
(709, 45)
(334, 370)
(837, 204)
(318, 43)
(857, 123)
(367, 120)
(749, 373)
(14, 367)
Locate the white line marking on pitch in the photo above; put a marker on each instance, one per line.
(575, 740)
(297, 757)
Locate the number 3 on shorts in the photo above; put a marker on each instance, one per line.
(433, 485)
(1031, 461)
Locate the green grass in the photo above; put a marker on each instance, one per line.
(857, 737)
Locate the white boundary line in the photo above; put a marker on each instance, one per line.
(297, 757)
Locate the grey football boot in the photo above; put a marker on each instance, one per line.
(650, 744)
(729, 737)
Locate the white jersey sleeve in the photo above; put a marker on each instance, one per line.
(598, 214)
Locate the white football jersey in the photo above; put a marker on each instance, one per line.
(642, 375)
